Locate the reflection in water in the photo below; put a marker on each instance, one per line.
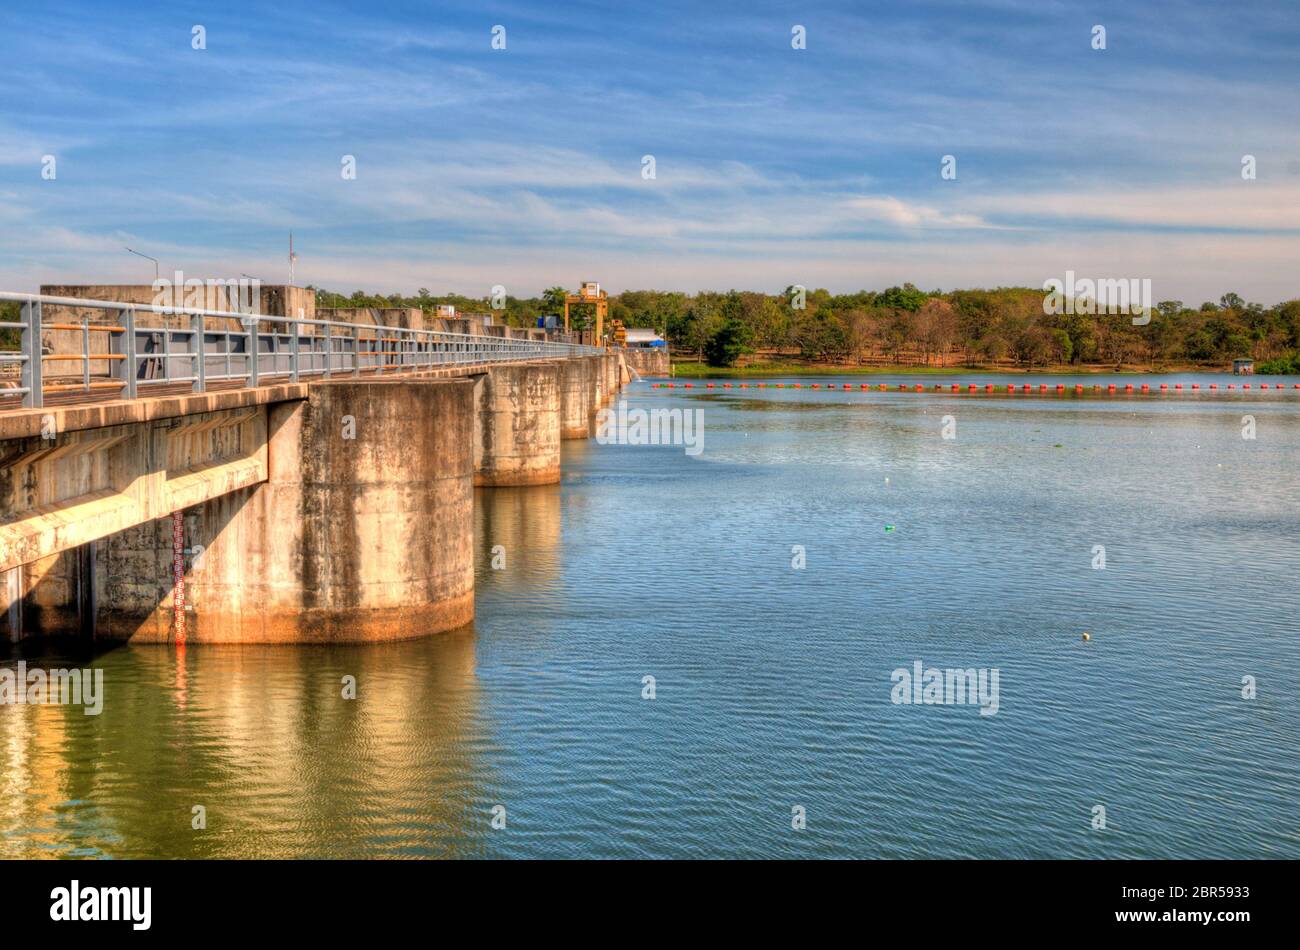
(773, 684)
(523, 525)
(262, 738)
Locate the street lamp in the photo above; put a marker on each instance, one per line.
(148, 258)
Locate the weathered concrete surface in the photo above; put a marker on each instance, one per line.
(577, 389)
(293, 532)
(59, 493)
(610, 376)
(360, 538)
(517, 425)
(600, 385)
(54, 595)
(648, 360)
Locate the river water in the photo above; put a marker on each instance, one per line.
(771, 585)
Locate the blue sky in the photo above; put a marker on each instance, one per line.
(523, 166)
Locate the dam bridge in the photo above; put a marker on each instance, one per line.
(209, 475)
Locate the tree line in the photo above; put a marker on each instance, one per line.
(1003, 327)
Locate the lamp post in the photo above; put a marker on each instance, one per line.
(148, 258)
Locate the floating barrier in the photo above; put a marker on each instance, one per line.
(1059, 389)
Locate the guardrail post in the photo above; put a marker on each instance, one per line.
(167, 350)
(132, 370)
(197, 341)
(250, 332)
(329, 356)
(85, 351)
(293, 351)
(34, 398)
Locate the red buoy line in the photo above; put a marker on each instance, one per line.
(1009, 389)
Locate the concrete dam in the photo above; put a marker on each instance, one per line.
(273, 479)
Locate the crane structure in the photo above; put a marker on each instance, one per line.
(591, 293)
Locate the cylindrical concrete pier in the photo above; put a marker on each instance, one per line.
(517, 425)
(576, 386)
(364, 530)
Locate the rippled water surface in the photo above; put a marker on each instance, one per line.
(772, 685)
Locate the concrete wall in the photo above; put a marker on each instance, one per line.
(409, 318)
(648, 360)
(117, 465)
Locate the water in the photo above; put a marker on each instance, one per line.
(772, 684)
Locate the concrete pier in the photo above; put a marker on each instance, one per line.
(517, 425)
(362, 531)
(577, 397)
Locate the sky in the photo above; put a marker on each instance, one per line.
(527, 166)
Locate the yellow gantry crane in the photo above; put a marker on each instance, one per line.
(592, 294)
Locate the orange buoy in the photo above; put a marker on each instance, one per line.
(1146, 388)
(988, 387)
(1245, 385)
(1214, 385)
(1196, 385)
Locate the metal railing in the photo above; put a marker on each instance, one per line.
(248, 350)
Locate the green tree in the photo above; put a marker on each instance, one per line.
(725, 346)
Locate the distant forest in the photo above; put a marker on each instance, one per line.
(907, 326)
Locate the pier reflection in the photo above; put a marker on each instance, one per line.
(264, 741)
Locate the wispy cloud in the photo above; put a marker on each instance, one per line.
(525, 165)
